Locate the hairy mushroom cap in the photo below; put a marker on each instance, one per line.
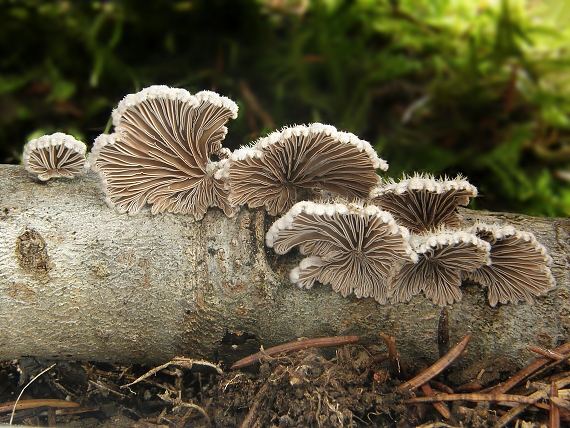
(519, 267)
(422, 203)
(351, 247)
(53, 156)
(161, 152)
(443, 256)
(284, 167)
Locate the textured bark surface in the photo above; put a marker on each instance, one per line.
(79, 281)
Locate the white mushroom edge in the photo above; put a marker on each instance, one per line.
(427, 182)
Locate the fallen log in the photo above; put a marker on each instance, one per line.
(80, 281)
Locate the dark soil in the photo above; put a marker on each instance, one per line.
(353, 388)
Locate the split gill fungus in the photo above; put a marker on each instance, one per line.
(423, 203)
(55, 156)
(161, 152)
(351, 247)
(301, 162)
(442, 258)
(385, 240)
(519, 268)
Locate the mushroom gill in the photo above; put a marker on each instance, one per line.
(301, 162)
(422, 203)
(519, 268)
(162, 152)
(443, 255)
(349, 246)
(53, 156)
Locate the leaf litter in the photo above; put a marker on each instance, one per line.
(349, 386)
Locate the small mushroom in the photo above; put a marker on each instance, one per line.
(443, 255)
(422, 203)
(300, 163)
(53, 156)
(350, 247)
(519, 268)
(165, 151)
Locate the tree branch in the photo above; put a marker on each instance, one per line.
(79, 281)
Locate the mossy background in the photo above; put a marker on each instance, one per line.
(480, 87)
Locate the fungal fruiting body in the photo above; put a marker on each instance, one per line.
(299, 162)
(519, 268)
(350, 247)
(161, 152)
(406, 242)
(422, 203)
(443, 256)
(53, 156)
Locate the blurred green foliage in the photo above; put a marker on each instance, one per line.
(479, 87)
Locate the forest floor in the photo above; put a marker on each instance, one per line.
(352, 387)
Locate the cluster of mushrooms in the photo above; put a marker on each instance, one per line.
(388, 240)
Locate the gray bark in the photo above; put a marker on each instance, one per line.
(79, 281)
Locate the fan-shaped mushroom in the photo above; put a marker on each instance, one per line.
(296, 163)
(422, 203)
(55, 155)
(443, 256)
(519, 268)
(350, 246)
(162, 151)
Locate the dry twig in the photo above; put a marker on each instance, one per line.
(32, 404)
(395, 361)
(441, 387)
(320, 342)
(554, 414)
(561, 403)
(511, 398)
(529, 370)
(443, 331)
(440, 406)
(24, 388)
(439, 366)
(546, 353)
(538, 395)
(182, 362)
